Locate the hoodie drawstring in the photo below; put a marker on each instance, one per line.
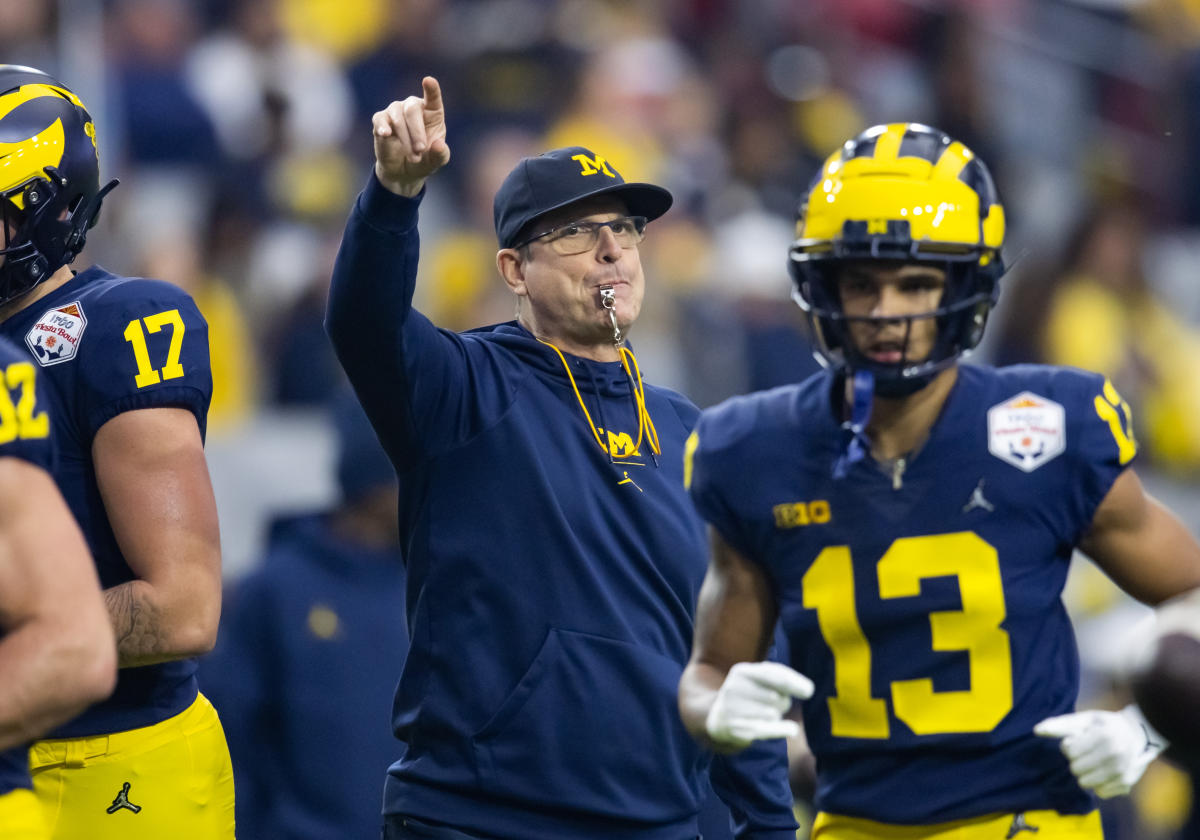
(639, 398)
(645, 424)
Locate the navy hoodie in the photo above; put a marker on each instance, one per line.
(302, 676)
(551, 591)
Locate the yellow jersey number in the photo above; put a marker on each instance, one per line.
(853, 711)
(136, 335)
(21, 419)
(1115, 412)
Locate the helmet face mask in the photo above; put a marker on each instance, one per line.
(902, 194)
(49, 178)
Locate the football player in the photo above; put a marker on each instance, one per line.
(125, 365)
(56, 647)
(910, 521)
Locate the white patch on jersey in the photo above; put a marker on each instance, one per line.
(56, 335)
(1027, 431)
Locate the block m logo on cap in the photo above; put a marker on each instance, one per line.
(592, 166)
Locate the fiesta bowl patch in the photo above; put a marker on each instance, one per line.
(1027, 431)
(55, 337)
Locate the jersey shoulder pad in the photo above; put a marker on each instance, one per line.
(742, 420)
(1098, 422)
(1067, 386)
(146, 345)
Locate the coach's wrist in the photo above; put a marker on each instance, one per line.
(399, 186)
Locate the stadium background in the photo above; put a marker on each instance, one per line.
(240, 130)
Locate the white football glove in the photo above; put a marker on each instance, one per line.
(752, 701)
(1108, 751)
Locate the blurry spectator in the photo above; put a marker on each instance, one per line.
(170, 245)
(953, 47)
(266, 93)
(762, 342)
(462, 289)
(302, 368)
(1104, 316)
(26, 30)
(620, 100)
(307, 657)
(281, 110)
(162, 121)
(407, 46)
(343, 28)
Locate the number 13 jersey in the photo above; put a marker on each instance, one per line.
(106, 345)
(923, 597)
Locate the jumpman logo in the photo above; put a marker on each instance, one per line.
(1019, 825)
(977, 500)
(1151, 744)
(122, 801)
(628, 480)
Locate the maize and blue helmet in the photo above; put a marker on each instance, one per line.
(904, 193)
(49, 177)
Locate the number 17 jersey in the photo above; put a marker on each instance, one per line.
(922, 597)
(104, 345)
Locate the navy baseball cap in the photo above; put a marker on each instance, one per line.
(560, 177)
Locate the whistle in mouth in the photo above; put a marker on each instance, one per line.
(608, 299)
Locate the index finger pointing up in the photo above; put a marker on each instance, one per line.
(433, 93)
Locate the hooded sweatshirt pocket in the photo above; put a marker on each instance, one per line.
(593, 726)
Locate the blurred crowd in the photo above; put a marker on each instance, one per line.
(241, 132)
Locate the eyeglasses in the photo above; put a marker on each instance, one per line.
(577, 237)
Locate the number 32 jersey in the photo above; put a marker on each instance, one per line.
(24, 434)
(923, 599)
(104, 345)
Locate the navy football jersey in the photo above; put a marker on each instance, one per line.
(25, 434)
(105, 345)
(923, 597)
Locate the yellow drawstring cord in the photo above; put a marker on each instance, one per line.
(643, 415)
(644, 421)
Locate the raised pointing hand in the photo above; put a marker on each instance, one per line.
(410, 140)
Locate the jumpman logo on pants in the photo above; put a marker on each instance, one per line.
(122, 801)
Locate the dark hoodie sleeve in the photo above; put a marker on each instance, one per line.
(424, 389)
(754, 784)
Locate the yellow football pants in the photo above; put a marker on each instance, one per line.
(21, 816)
(1030, 825)
(169, 781)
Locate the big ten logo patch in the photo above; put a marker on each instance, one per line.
(799, 514)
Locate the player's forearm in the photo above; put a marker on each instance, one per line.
(52, 672)
(697, 692)
(151, 628)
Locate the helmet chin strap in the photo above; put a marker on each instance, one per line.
(863, 388)
(608, 299)
(896, 388)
